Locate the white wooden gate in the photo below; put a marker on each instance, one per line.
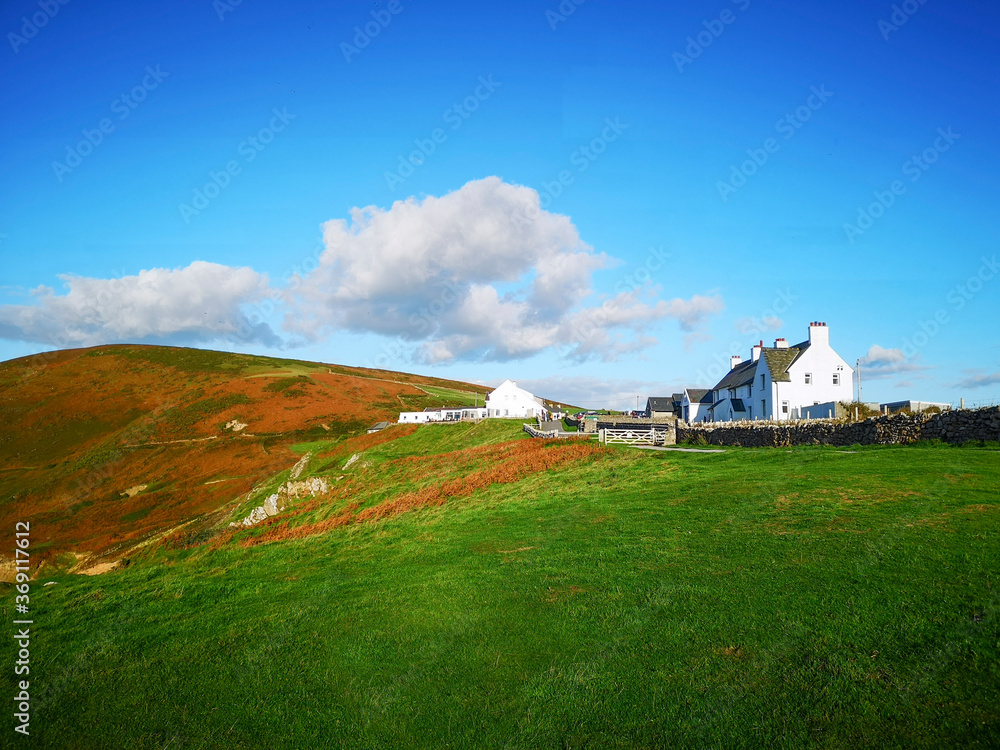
(624, 436)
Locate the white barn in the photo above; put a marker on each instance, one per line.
(509, 401)
(777, 382)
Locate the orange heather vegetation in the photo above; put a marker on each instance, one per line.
(511, 462)
(103, 448)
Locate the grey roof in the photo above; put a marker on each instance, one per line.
(380, 425)
(742, 374)
(659, 403)
(699, 395)
(677, 398)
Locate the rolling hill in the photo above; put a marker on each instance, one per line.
(113, 446)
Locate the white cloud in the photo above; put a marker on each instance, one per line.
(202, 302)
(981, 381)
(878, 355)
(881, 362)
(479, 273)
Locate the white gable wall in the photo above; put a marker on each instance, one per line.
(821, 362)
(693, 411)
(509, 401)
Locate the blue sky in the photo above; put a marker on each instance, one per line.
(599, 200)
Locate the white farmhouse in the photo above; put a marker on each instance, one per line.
(776, 383)
(510, 401)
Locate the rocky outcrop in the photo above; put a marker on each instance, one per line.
(957, 427)
(276, 502)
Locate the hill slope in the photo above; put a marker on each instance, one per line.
(107, 447)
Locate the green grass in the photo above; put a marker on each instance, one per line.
(452, 397)
(803, 597)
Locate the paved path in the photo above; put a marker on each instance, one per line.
(680, 450)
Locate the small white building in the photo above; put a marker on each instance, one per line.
(442, 414)
(695, 403)
(777, 382)
(509, 401)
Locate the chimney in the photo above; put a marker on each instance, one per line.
(780, 344)
(819, 334)
(734, 360)
(755, 352)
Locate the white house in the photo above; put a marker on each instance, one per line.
(695, 403)
(510, 401)
(442, 414)
(776, 382)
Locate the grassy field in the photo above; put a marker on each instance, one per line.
(808, 597)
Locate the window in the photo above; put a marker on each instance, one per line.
(763, 408)
(761, 381)
(784, 407)
(732, 393)
(836, 378)
(809, 378)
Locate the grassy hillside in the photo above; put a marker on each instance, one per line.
(111, 447)
(475, 588)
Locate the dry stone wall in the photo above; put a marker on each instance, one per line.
(893, 429)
